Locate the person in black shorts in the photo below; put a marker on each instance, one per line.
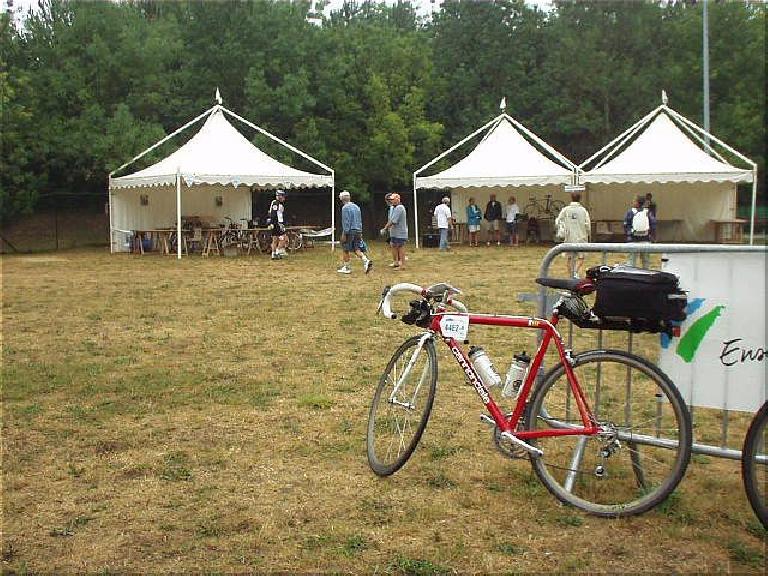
(276, 224)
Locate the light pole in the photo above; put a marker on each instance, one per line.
(705, 57)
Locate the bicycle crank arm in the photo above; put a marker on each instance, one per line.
(532, 450)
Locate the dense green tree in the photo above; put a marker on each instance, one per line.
(375, 92)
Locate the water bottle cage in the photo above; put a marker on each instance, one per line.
(420, 314)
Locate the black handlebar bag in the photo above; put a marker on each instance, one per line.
(650, 297)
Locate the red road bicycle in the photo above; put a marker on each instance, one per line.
(606, 431)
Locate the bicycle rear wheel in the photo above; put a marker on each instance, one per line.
(754, 463)
(401, 405)
(644, 450)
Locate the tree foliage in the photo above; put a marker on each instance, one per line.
(375, 92)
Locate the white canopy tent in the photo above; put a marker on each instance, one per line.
(668, 155)
(216, 169)
(504, 158)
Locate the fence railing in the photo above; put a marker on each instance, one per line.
(605, 249)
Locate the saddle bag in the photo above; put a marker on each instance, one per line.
(636, 299)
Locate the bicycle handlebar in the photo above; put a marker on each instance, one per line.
(435, 291)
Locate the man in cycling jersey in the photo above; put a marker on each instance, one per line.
(276, 224)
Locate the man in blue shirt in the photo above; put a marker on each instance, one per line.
(352, 234)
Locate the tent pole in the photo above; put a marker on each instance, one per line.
(620, 136)
(698, 128)
(333, 212)
(111, 224)
(159, 142)
(178, 213)
(452, 148)
(278, 140)
(543, 144)
(415, 212)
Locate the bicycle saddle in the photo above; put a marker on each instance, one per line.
(580, 286)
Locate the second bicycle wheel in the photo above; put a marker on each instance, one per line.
(401, 405)
(754, 464)
(644, 450)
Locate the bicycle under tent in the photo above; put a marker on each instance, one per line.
(728, 254)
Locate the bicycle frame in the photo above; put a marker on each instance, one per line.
(509, 424)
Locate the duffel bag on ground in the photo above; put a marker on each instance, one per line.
(648, 297)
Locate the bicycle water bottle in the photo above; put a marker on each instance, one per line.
(516, 375)
(483, 366)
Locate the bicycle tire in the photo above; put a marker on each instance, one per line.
(637, 465)
(752, 471)
(392, 435)
(555, 207)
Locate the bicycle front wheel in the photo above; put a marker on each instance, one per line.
(401, 405)
(644, 447)
(754, 460)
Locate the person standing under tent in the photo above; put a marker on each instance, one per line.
(651, 205)
(637, 226)
(494, 216)
(474, 217)
(397, 226)
(352, 234)
(511, 213)
(574, 220)
(444, 221)
(276, 224)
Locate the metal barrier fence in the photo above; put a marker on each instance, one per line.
(545, 302)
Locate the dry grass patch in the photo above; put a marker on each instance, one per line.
(210, 415)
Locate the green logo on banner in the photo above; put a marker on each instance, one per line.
(691, 340)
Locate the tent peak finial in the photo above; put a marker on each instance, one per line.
(503, 104)
(664, 98)
(218, 96)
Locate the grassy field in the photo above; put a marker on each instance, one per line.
(210, 415)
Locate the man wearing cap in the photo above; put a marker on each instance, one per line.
(276, 224)
(397, 226)
(444, 221)
(351, 234)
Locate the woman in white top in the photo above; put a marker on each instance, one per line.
(511, 212)
(444, 219)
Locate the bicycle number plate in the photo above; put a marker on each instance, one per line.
(454, 326)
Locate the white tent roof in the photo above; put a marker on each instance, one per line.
(502, 158)
(662, 153)
(220, 154)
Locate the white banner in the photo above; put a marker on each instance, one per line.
(719, 359)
